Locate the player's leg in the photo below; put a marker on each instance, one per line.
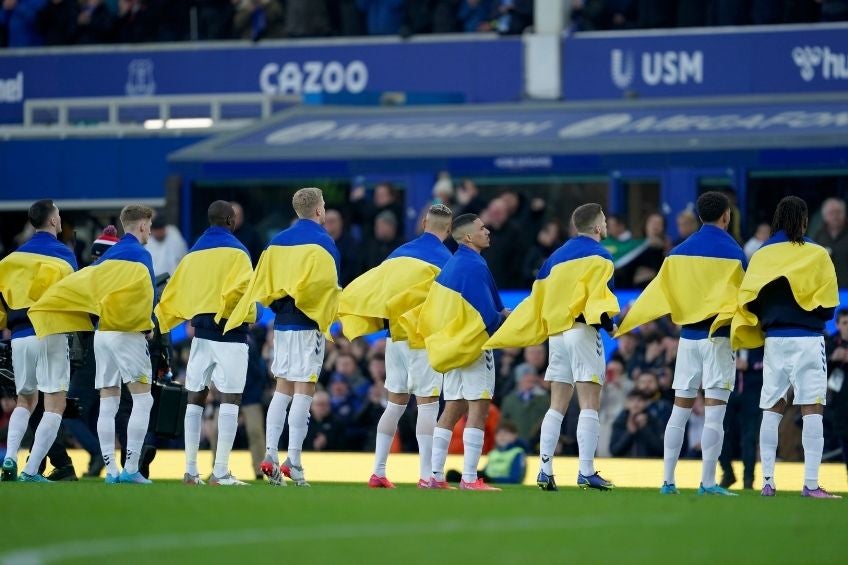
(776, 382)
(688, 371)
(24, 364)
(455, 408)
(810, 386)
(275, 419)
(108, 382)
(588, 430)
(561, 379)
(198, 377)
(308, 358)
(478, 388)
(426, 384)
(137, 372)
(53, 373)
(397, 383)
(229, 377)
(712, 437)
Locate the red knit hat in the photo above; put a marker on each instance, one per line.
(104, 241)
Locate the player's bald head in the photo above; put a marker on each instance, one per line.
(221, 213)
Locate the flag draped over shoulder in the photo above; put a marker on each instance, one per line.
(118, 289)
(300, 262)
(462, 309)
(26, 274)
(393, 288)
(575, 280)
(210, 279)
(810, 273)
(697, 281)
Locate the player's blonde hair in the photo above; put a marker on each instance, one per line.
(306, 200)
(439, 217)
(132, 214)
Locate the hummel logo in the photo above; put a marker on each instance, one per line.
(545, 458)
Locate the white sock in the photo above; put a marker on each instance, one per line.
(472, 443)
(45, 435)
(191, 425)
(106, 432)
(424, 426)
(386, 428)
(548, 439)
(711, 439)
(812, 438)
(588, 429)
(675, 431)
(227, 426)
(17, 428)
(137, 429)
(298, 425)
(768, 444)
(275, 421)
(441, 443)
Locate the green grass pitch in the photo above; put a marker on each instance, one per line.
(89, 522)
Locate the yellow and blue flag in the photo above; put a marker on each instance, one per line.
(210, 279)
(301, 262)
(462, 310)
(393, 288)
(698, 281)
(26, 274)
(576, 280)
(809, 270)
(117, 289)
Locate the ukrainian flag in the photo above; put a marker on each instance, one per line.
(301, 262)
(393, 288)
(462, 309)
(26, 274)
(575, 280)
(697, 281)
(809, 270)
(118, 289)
(210, 279)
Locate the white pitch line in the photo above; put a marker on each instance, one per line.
(157, 543)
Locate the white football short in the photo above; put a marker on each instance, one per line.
(220, 363)
(41, 364)
(576, 354)
(709, 364)
(409, 372)
(799, 362)
(472, 382)
(121, 357)
(298, 355)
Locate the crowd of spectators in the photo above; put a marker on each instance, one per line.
(637, 397)
(26, 23)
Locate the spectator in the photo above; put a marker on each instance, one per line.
(687, 224)
(616, 388)
(246, 233)
(607, 14)
(306, 18)
(95, 23)
(258, 19)
(735, 227)
(475, 15)
(834, 10)
(657, 13)
(833, 236)
(19, 18)
(760, 236)
(349, 249)
(383, 17)
(443, 191)
(635, 433)
(345, 18)
(641, 265)
(507, 462)
(742, 419)
(215, 19)
(166, 245)
(549, 239)
(617, 229)
(468, 199)
(386, 239)
(526, 406)
(513, 16)
(837, 369)
(363, 212)
(136, 22)
(173, 17)
(57, 21)
(648, 385)
(374, 403)
(324, 430)
(430, 16)
(505, 245)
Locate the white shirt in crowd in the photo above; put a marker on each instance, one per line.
(167, 252)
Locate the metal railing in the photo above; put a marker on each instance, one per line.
(58, 110)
